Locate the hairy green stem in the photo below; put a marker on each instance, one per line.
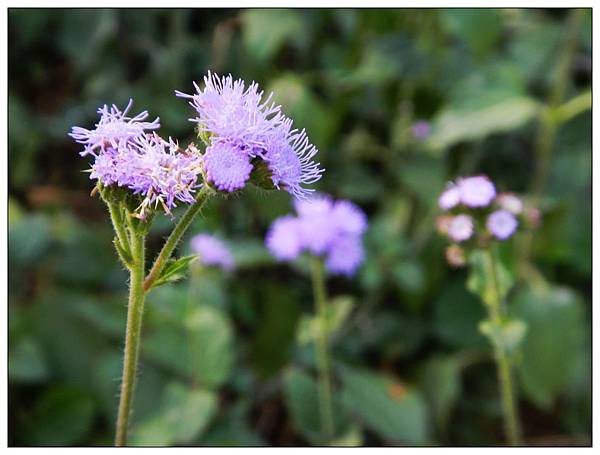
(175, 236)
(116, 216)
(325, 405)
(135, 310)
(503, 363)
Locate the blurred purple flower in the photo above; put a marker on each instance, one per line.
(283, 239)
(460, 228)
(477, 191)
(231, 113)
(510, 202)
(345, 255)
(322, 227)
(212, 251)
(421, 129)
(450, 197)
(502, 224)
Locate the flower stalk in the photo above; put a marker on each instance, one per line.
(133, 329)
(175, 236)
(325, 400)
(503, 361)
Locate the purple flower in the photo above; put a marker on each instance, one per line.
(349, 217)
(289, 157)
(345, 255)
(502, 224)
(510, 202)
(283, 239)
(212, 251)
(113, 128)
(476, 191)
(450, 197)
(421, 129)
(322, 227)
(127, 156)
(228, 110)
(233, 114)
(226, 166)
(460, 228)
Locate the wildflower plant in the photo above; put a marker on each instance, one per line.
(476, 219)
(243, 138)
(330, 233)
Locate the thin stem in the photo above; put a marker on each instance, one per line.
(135, 312)
(549, 124)
(325, 406)
(175, 236)
(116, 216)
(507, 394)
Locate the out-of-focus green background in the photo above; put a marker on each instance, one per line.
(228, 359)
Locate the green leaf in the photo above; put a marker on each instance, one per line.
(507, 335)
(456, 316)
(302, 401)
(184, 414)
(469, 124)
(337, 311)
(480, 28)
(62, 416)
(440, 379)
(556, 331)
(199, 346)
(480, 279)
(174, 270)
(26, 362)
(395, 411)
(266, 30)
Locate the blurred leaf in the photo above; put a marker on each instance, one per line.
(452, 126)
(305, 108)
(555, 332)
(211, 345)
(480, 28)
(440, 379)
(26, 362)
(266, 30)
(199, 345)
(457, 315)
(184, 414)
(337, 311)
(29, 239)
(62, 416)
(393, 410)
(302, 400)
(279, 312)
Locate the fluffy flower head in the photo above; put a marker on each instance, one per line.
(229, 112)
(113, 128)
(324, 228)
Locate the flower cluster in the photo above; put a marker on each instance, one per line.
(243, 130)
(322, 227)
(212, 251)
(126, 155)
(475, 208)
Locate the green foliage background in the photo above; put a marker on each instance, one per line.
(227, 359)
